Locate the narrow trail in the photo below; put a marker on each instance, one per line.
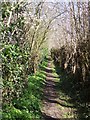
(52, 110)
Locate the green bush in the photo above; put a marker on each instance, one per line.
(28, 104)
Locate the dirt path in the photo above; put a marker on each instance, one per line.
(52, 110)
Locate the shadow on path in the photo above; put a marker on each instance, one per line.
(53, 107)
(77, 96)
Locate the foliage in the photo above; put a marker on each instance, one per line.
(73, 95)
(14, 71)
(21, 99)
(27, 106)
(73, 54)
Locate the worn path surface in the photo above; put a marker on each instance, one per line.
(52, 110)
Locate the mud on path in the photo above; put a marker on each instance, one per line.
(52, 110)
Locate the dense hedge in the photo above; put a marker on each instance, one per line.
(20, 95)
(76, 65)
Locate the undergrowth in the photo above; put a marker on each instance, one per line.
(73, 96)
(27, 106)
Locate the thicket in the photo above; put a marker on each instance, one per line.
(74, 55)
(20, 58)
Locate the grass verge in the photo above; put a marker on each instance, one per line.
(72, 96)
(27, 107)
